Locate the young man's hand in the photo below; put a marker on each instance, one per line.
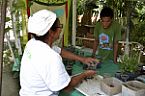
(115, 61)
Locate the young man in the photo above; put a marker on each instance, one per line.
(42, 71)
(107, 33)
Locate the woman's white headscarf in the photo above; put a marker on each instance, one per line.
(40, 22)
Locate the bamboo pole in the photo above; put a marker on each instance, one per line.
(3, 5)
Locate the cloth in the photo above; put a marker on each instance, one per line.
(40, 22)
(42, 72)
(56, 49)
(106, 38)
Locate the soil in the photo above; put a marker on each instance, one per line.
(10, 82)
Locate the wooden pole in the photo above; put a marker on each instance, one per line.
(3, 5)
(74, 23)
(28, 13)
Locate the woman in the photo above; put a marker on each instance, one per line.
(42, 71)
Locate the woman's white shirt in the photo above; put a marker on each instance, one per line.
(42, 71)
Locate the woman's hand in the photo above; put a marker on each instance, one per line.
(89, 73)
(89, 61)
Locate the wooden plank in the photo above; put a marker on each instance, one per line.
(83, 38)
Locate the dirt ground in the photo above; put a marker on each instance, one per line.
(10, 84)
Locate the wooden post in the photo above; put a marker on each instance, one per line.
(28, 13)
(74, 23)
(3, 5)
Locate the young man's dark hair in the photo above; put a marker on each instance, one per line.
(107, 12)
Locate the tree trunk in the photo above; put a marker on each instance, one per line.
(3, 5)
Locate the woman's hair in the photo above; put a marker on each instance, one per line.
(53, 28)
(107, 12)
(55, 25)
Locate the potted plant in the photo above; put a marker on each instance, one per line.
(129, 64)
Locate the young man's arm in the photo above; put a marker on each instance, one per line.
(117, 38)
(115, 51)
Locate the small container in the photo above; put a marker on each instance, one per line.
(124, 77)
(118, 75)
(111, 86)
(69, 70)
(85, 67)
(81, 53)
(91, 67)
(133, 88)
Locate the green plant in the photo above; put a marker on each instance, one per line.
(130, 62)
(6, 57)
(138, 34)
